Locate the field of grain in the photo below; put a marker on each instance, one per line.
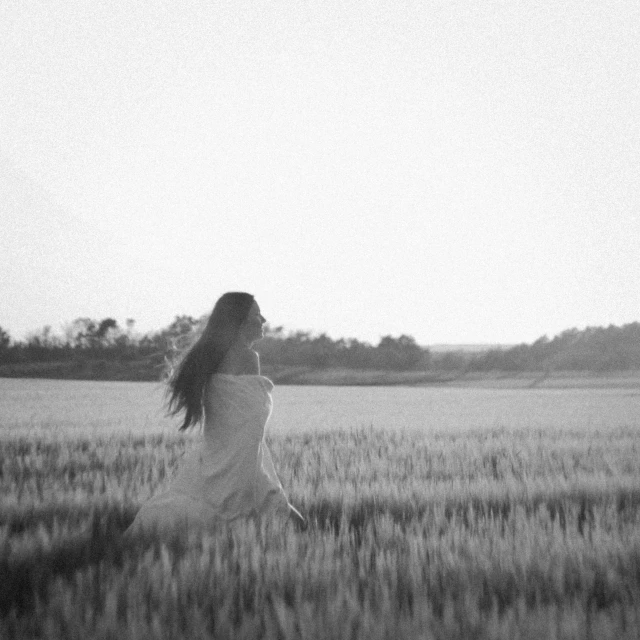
(480, 533)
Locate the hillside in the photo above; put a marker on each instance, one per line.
(599, 349)
(466, 348)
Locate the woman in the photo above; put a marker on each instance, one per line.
(229, 474)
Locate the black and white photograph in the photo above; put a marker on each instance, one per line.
(320, 320)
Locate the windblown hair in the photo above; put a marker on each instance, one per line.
(188, 377)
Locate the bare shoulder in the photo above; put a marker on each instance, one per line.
(238, 363)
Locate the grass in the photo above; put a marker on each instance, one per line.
(500, 534)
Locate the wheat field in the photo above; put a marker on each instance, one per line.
(506, 534)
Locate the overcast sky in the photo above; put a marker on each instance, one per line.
(461, 171)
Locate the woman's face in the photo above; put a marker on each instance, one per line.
(251, 328)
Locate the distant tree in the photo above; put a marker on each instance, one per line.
(125, 342)
(81, 332)
(87, 333)
(173, 338)
(359, 355)
(516, 359)
(400, 354)
(106, 326)
(180, 327)
(5, 340)
(44, 338)
(450, 361)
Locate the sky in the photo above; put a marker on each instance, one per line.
(462, 171)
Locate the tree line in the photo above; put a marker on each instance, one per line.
(104, 349)
(602, 349)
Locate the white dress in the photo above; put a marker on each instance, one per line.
(229, 473)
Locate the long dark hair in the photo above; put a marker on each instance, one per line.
(189, 375)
